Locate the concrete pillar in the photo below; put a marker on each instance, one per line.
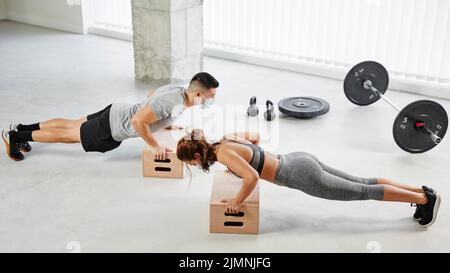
(2, 10)
(167, 39)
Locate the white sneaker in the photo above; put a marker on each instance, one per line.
(13, 126)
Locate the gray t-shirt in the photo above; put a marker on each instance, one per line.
(167, 103)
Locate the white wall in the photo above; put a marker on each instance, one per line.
(411, 38)
(57, 14)
(2, 10)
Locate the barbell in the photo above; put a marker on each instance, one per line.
(418, 127)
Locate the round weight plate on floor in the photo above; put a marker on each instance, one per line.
(303, 107)
(354, 87)
(408, 128)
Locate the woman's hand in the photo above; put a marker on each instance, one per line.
(233, 207)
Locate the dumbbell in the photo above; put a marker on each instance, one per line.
(269, 114)
(252, 110)
(418, 127)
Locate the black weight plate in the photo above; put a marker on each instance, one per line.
(303, 107)
(353, 83)
(412, 139)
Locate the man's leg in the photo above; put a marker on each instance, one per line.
(60, 130)
(49, 135)
(60, 123)
(57, 135)
(15, 140)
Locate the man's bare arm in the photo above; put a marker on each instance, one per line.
(141, 122)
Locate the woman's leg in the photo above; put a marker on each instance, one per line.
(369, 181)
(305, 173)
(392, 193)
(344, 175)
(384, 181)
(333, 187)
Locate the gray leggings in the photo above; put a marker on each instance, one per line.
(303, 171)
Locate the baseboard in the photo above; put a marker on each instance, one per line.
(332, 72)
(44, 22)
(111, 33)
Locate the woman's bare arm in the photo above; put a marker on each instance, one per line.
(240, 167)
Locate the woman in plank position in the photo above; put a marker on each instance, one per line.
(242, 155)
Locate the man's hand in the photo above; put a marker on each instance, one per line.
(160, 152)
(233, 207)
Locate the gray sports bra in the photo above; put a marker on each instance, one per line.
(257, 161)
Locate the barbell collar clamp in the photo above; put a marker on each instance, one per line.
(435, 138)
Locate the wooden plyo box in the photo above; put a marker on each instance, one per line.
(169, 168)
(227, 185)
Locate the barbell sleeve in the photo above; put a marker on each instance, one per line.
(435, 138)
(368, 85)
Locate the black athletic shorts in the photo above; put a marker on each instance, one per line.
(95, 133)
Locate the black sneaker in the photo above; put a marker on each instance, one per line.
(430, 209)
(417, 214)
(23, 146)
(12, 147)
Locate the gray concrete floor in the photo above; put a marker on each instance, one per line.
(61, 194)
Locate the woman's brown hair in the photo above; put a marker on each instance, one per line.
(195, 143)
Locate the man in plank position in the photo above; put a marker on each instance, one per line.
(105, 130)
